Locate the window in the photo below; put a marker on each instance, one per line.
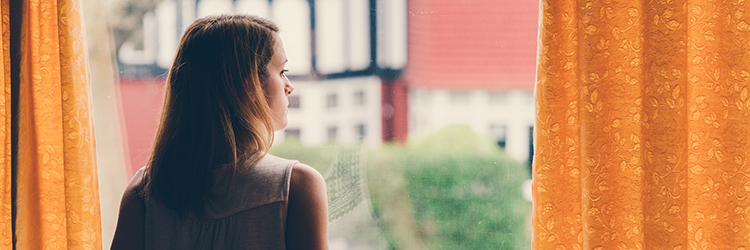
(531, 147)
(361, 131)
(498, 132)
(459, 97)
(498, 97)
(294, 101)
(293, 133)
(360, 98)
(425, 96)
(355, 41)
(331, 132)
(331, 100)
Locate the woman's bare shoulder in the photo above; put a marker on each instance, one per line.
(307, 187)
(307, 224)
(305, 175)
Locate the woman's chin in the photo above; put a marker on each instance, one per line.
(279, 126)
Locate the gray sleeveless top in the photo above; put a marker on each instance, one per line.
(252, 214)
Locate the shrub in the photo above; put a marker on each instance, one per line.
(466, 193)
(449, 190)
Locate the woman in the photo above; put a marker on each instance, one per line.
(210, 183)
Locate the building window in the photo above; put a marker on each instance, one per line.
(531, 149)
(361, 131)
(425, 96)
(332, 130)
(498, 132)
(498, 97)
(459, 97)
(360, 98)
(331, 100)
(292, 133)
(293, 101)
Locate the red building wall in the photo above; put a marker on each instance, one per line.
(141, 102)
(395, 111)
(486, 44)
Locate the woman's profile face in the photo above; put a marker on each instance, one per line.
(277, 85)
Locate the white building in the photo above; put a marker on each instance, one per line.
(345, 111)
(507, 117)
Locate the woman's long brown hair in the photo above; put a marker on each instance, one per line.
(215, 111)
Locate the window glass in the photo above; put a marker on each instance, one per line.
(419, 113)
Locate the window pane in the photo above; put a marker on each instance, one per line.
(452, 78)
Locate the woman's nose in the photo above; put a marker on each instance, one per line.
(289, 88)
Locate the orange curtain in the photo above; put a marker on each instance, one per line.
(56, 201)
(6, 211)
(643, 119)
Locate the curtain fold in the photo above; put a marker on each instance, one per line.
(6, 210)
(56, 201)
(642, 125)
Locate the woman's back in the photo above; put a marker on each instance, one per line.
(251, 215)
(226, 93)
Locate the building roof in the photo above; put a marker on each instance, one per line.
(485, 44)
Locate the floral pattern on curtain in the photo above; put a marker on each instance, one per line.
(643, 118)
(6, 210)
(56, 202)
